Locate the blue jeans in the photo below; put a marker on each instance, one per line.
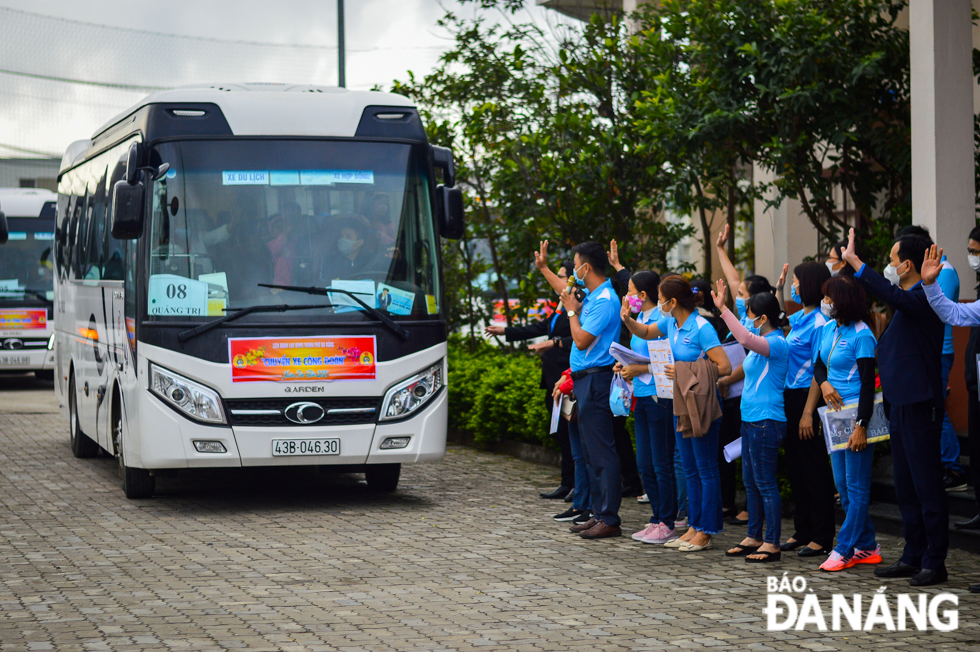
(852, 475)
(681, 483)
(583, 494)
(655, 456)
(950, 442)
(760, 453)
(700, 457)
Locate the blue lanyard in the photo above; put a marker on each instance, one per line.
(553, 320)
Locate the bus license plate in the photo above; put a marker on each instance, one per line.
(14, 360)
(305, 447)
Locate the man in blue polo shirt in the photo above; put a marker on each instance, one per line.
(595, 326)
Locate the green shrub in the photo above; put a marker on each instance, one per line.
(495, 394)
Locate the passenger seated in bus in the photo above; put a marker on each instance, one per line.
(283, 243)
(353, 254)
(377, 210)
(244, 256)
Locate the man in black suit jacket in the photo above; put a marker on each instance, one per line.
(910, 368)
(554, 353)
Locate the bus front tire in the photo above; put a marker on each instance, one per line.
(136, 483)
(81, 445)
(382, 478)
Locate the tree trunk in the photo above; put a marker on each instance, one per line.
(705, 228)
(731, 219)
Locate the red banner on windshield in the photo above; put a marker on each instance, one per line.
(302, 359)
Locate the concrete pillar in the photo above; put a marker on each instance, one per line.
(942, 124)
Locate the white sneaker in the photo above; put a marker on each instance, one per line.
(643, 500)
(680, 524)
(649, 530)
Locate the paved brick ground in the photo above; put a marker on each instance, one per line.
(463, 557)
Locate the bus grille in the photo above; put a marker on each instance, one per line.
(272, 412)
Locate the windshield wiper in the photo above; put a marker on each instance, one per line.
(205, 327)
(384, 319)
(40, 294)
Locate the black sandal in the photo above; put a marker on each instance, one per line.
(769, 557)
(791, 545)
(742, 551)
(813, 552)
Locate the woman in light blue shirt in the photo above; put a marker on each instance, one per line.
(844, 372)
(807, 464)
(763, 420)
(691, 337)
(653, 418)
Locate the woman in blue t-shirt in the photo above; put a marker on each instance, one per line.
(691, 337)
(763, 420)
(844, 372)
(807, 464)
(654, 420)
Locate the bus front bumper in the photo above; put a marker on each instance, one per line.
(254, 446)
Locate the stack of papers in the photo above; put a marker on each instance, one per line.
(625, 356)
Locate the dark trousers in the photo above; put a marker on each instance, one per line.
(731, 429)
(595, 430)
(810, 475)
(973, 412)
(627, 457)
(916, 430)
(567, 463)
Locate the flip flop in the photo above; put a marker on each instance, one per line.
(769, 557)
(741, 551)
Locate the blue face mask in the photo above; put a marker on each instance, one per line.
(740, 305)
(752, 329)
(794, 295)
(578, 279)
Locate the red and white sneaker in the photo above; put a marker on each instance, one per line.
(866, 557)
(835, 562)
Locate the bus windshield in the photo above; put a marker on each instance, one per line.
(26, 262)
(232, 214)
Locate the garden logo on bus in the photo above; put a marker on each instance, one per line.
(785, 611)
(302, 359)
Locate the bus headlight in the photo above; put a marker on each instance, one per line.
(51, 342)
(193, 399)
(408, 396)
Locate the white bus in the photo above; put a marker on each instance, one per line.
(250, 275)
(26, 285)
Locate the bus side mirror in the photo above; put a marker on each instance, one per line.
(451, 223)
(4, 233)
(127, 209)
(442, 158)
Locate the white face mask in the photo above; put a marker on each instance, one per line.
(830, 265)
(974, 262)
(660, 307)
(891, 273)
(826, 309)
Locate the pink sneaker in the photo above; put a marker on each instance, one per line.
(835, 562)
(651, 528)
(660, 535)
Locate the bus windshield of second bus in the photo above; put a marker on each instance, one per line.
(26, 263)
(230, 215)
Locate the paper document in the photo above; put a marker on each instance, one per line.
(838, 425)
(625, 356)
(733, 451)
(555, 415)
(660, 355)
(736, 355)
